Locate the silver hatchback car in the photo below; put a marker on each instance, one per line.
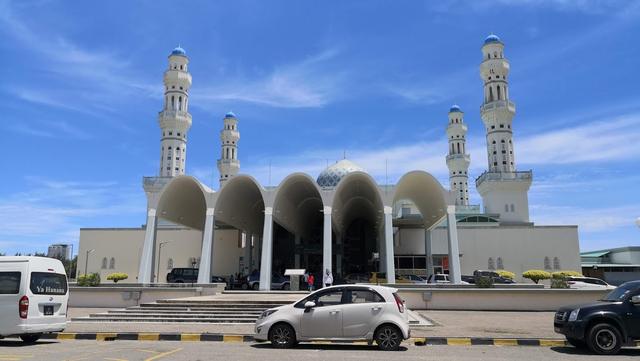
(338, 313)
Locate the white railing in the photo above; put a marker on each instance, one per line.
(504, 176)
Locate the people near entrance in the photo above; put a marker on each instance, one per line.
(310, 281)
(327, 278)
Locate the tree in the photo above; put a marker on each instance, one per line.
(506, 274)
(565, 274)
(536, 275)
(115, 277)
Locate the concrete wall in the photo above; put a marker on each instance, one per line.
(473, 299)
(131, 296)
(521, 247)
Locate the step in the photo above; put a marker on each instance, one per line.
(187, 305)
(172, 320)
(234, 302)
(163, 312)
(109, 315)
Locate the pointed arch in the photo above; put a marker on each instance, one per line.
(184, 201)
(425, 192)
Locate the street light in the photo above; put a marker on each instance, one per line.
(86, 259)
(159, 253)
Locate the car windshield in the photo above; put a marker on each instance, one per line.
(616, 295)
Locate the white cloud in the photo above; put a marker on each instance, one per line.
(307, 84)
(588, 220)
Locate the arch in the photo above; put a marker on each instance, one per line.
(112, 263)
(184, 201)
(425, 192)
(240, 203)
(356, 191)
(104, 263)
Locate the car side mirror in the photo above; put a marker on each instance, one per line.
(309, 304)
(635, 300)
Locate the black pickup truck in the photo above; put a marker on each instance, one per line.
(604, 326)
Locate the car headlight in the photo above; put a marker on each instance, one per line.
(574, 315)
(267, 313)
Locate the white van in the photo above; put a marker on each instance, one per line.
(33, 297)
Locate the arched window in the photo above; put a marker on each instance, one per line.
(170, 263)
(500, 264)
(490, 94)
(458, 148)
(180, 103)
(513, 208)
(452, 148)
(498, 91)
(104, 263)
(173, 103)
(556, 263)
(227, 153)
(112, 263)
(491, 264)
(547, 263)
(506, 208)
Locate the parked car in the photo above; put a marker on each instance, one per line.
(277, 282)
(344, 313)
(189, 275)
(442, 279)
(468, 279)
(495, 276)
(33, 297)
(415, 279)
(604, 326)
(356, 278)
(381, 277)
(588, 282)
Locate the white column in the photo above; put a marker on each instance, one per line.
(454, 252)
(326, 241)
(267, 248)
(204, 273)
(247, 252)
(146, 259)
(428, 253)
(388, 245)
(296, 255)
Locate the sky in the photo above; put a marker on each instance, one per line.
(311, 81)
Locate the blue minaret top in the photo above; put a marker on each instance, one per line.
(229, 115)
(455, 108)
(178, 51)
(493, 38)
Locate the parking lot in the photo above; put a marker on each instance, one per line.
(166, 350)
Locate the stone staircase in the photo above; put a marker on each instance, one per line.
(182, 310)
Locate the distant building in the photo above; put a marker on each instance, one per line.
(60, 251)
(614, 265)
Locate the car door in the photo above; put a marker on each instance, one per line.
(362, 310)
(324, 320)
(633, 316)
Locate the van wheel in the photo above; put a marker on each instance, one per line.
(282, 335)
(604, 339)
(245, 286)
(31, 338)
(388, 338)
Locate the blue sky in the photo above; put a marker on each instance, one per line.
(82, 84)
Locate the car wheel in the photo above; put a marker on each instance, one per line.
(388, 338)
(577, 343)
(604, 339)
(245, 286)
(256, 286)
(31, 338)
(282, 335)
(286, 287)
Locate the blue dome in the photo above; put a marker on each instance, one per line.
(178, 51)
(493, 38)
(230, 115)
(455, 108)
(331, 176)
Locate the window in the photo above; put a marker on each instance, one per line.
(493, 127)
(501, 126)
(405, 262)
(556, 263)
(170, 263)
(513, 207)
(506, 208)
(10, 283)
(170, 133)
(329, 298)
(44, 283)
(104, 263)
(500, 264)
(112, 263)
(491, 264)
(547, 263)
(363, 296)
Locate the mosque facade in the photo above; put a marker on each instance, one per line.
(343, 221)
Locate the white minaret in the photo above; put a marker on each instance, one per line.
(458, 159)
(503, 189)
(174, 119)
(228, 164)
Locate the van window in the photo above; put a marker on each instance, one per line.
(9, 283)
(43, 283)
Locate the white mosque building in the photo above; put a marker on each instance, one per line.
(343, 221)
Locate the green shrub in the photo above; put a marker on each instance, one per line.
(506, 274)
(559, 283)
(484, 282)
(118, 276)
(565, 274)
(536, 275)
(92, 280)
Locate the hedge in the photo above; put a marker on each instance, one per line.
(115, 277)
(506, 274)
(536, 275)
(92, 280)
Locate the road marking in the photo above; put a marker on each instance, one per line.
(550, 343)
(232, 338)
(159, 356)
(115, 359)
(66, 336)
(505, 342)
(104, 336)
(148, 336)
(190, 337)
(461, 341)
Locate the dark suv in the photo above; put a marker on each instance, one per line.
(189, 275)
(606, 325)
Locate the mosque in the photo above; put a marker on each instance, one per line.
(343, 221)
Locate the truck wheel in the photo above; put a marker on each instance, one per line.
(577, 343)
(282, 335)
(256, 286)
(31, 338)
(388, 338)
(604, 339)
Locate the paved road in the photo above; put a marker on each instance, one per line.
(183, 351)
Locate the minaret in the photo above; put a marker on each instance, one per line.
(174, 119)
(228, 164)
(458, 159)
(503, 189)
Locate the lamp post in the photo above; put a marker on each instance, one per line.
(86, 259)
(159, 253)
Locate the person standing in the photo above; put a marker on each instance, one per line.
(327, 279)
(310, 281)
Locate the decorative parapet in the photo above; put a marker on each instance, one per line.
(504, 176)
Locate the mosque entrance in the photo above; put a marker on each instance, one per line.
(359, 248)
